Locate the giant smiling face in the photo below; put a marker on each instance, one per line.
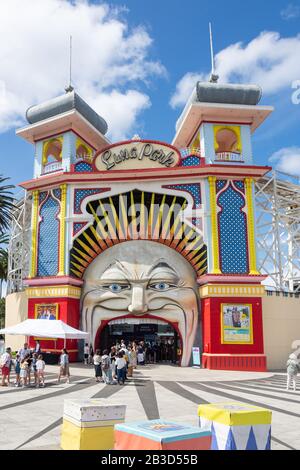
(142, 278)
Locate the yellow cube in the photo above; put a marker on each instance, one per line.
(237, 426)
(89, 424)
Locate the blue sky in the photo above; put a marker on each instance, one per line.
(160, 49)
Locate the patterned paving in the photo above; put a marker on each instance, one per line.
(30, 418)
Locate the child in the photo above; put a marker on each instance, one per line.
(24, 371)
(33, 368)
(292, 369)
(40, 368)
(17, 370)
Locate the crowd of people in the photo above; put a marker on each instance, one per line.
(114, 366)
(153, 352)
(29, 364)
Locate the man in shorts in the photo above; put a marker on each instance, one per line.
(5, 364)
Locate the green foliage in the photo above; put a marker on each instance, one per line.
(6, 204)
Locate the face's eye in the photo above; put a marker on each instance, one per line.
(161, 286)
(116, 288)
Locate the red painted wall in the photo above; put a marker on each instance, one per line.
(68, 311)
(211, 315)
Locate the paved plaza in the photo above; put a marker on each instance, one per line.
(31, 418)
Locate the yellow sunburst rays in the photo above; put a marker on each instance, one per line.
(188, 233)
(157, 226)
(165, 231)
(119, 231)
(123, 217)
(151, 217)
(143, 216)
(112, 238)
(84, 255)
(133, 225)
(100, 228)
(176, 231)
(199, 260)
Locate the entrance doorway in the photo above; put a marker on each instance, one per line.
(161, 339)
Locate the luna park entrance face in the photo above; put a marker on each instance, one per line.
(161, 340)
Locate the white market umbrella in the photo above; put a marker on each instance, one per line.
(45, 329)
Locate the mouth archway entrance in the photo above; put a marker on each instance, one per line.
(162, 339)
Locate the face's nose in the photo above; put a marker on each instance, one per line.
(138, 305)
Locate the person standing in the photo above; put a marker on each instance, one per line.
(141, 355)
(40, 367)
(23, 352)
(37, 348)
(112, 356)
(130, 362)
(24, 366)
(121, 368)
(17, 365)
(105, 367)
(97, 366)
(133, 356)
(86, 353)
(91, 354)
(5, 364)
(64, 369)
(292, 370)
(33, 368)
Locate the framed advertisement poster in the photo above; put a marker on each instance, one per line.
(46, 312)
(236, 324)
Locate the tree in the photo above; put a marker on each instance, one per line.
(6, 204)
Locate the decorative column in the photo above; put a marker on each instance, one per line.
(214, 225)
(34, 242)
(250, 223)
(62, 232)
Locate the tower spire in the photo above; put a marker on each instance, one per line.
(213, 76)
(70, 88)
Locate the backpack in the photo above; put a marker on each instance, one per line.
(105, 363)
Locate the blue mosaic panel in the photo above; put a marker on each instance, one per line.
(233, 233)
(81, 194)
(78, 226)
(57, 193)
(220, 184)
(82, 167)
(192, 160)
(48, 240)
(193, 189)
(42, 196)
(240, 185)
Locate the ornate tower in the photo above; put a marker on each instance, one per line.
(65, 133)
(219, 120)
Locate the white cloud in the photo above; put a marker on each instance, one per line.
(287, 160)
(184, 88)
(108, 59)
(290, 12)
(268, 60)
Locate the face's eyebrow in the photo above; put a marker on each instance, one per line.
(161, 264)
(118, 267)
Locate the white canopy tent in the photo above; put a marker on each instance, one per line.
(45, 329)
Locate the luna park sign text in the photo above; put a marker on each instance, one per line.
(137, 154)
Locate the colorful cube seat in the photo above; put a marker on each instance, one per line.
(237, 426)
(89, 424)
(160, 435)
